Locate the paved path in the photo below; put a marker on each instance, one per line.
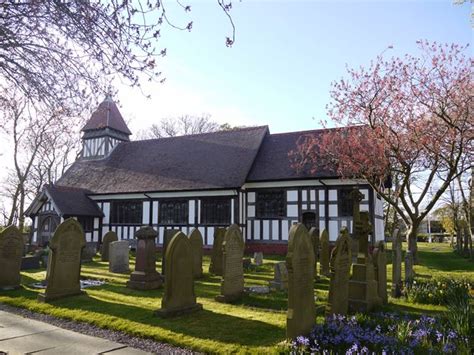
(20, 335)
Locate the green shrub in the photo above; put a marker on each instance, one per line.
(437, 291)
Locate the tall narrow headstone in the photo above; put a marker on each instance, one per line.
(108, 238)
(409, 273)
(280, 277)
(232, 285)
(167, 236)
(195, 240)
(338, 302)
(380, 260)
(145, 276)
(179, 297)
(216, 256)
(314, 235)
(258, 258)
(396, 264)
(11, 252)
(324, 256)
(301, 313)
(119, 257)
(64, 261)
(356, 196)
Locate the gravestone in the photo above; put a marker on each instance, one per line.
(363, 287)
(396, 264)
(11, 252)
(88, 252)
(179, 297)
(216, 256)
(145, 276)
(338, 301)
(232, 285)
(108, 238)
(195, 240)
(167, 236)
(119, 257)
(324, 253)
(64, 265)
(301, 314)
(380, 261)
(409, 273)
(258, 258)
(280, 277)
(356, 243)
(314, 235)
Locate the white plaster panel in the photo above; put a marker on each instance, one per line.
(232, 211)
(344, 223)
(106, 210)
(146, 212)
(199, 211)
(192, 205)
(256, 230)
(89, 237)
(104, 230)
(251, 197)
(266, 230)
(202, 230)
(365, 192)
(292, 211)
(333, 230)
(96, 235)
(210, 235)
(284, 230)
(161, 231)
(313, 206)
(332, 210)
(249, 230)
(332, 195)
(379, 229)
(154, 217)
(322, 225)
(275, 231)
(321, 211)
(292, 196)
(119, 233)
(304, 196)
(96, 223)
(312, 195)
(251, 211)
(364, 208)
(125, 233)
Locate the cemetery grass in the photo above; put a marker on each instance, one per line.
(254, 324)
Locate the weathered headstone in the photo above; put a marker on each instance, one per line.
(396, 264)
(11, 252)
(88, 252)
(179, 297)
(108, 238)
(216, 256)
(314, 235)
(338, 301)
(409, 273)
(258, 258)
(64, 263)
(280, 277)
(167, 236)
(301, 313)
(195, 240)
(380, 260)
(145, 276)
(356, 196)
(119, 257)
(363, 287)
(324, 253)
(232, 285)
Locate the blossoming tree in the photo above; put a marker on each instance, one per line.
(407, 118)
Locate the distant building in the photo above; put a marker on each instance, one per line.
(200, 181)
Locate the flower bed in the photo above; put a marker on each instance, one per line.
(437, 291)
(381, 333)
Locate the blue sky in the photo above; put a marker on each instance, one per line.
(285, 57)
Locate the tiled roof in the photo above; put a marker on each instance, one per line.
(73, 201)
(107, 115)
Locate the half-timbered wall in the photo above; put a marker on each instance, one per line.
(99, 146)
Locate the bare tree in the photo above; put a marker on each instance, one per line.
(63, 52)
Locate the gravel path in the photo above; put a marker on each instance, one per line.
(88, 329)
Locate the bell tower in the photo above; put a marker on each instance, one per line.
(105, 129)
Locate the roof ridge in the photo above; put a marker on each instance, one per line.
(315, 130)
(202, 134)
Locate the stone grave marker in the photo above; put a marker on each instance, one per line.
(409, 273)
(119, 257)
(356, 245)
(314, 235)
(167, 235)
(195, 240)
(145, 276)
(301, 314)
(338, 301)
(216, 255)
(88, 252)
(11, 252)
(108, 238)
(64, 265)
(258, 258)
(179, 297)
(396, 264)
(380, 260)
(324, 253)
(232, 285)
(280, 277)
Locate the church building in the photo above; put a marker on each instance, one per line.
(203, 181)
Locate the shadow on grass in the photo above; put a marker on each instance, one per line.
(205, 324)
(444, 261)
(410, 308)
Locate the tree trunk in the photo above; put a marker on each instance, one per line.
(412, 241)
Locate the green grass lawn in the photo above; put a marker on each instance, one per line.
(255, 324)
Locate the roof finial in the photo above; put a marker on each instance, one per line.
(108, 95)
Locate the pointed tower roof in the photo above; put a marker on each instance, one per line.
(107, 115)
